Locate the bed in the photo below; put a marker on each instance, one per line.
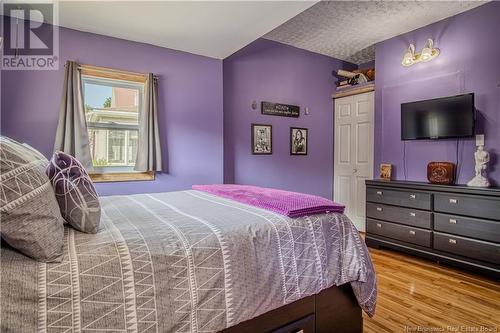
(191, 261)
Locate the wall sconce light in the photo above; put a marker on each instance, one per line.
(409, 57)
(428, 53)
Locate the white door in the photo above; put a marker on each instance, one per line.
(353, 153)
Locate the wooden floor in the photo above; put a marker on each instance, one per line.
(415, 293)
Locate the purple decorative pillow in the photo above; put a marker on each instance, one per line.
(75, 192)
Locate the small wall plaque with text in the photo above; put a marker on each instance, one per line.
(283, 110)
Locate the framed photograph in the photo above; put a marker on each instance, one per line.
(385, 171)
(262, 139)
(298, 141)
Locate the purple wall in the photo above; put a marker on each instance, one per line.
(190, 101)
(270, 71)
(469, 62)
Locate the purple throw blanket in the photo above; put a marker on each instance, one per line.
(291, 204)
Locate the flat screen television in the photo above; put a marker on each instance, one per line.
(439, 118)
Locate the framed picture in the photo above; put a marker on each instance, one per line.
(385, 171)
(298, 141)
(262, 139)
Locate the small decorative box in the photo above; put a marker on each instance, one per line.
(441, 173)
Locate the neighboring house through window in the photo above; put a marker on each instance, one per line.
(112, 112)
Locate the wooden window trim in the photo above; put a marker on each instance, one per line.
(122, 176)
(114, 74)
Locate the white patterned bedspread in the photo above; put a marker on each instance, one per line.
(182, 262)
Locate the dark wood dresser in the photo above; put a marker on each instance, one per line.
(457, 225)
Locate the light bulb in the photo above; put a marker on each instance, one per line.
(409, 57)
(429, 52)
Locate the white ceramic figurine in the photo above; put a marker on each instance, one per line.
(482, 157)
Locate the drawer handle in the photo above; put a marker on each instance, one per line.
(412, 232)
(452, 241)
(379, 225)
(453, 221)
(412, 214)
(379, 209)
(380, 192)
(453, 201)
(413, 196)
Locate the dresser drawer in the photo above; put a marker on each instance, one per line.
(408, 216)
(476, 249)
(467, 226)
(304, 325)
(482, 207)
(413, 199)
(400, 232)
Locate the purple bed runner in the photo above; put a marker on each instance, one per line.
(291, 204)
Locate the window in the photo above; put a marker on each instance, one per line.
(112, 108)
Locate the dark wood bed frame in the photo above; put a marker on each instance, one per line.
(332, 310)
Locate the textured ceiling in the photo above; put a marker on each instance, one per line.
(348, 30)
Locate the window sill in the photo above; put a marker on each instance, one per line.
(122, 176)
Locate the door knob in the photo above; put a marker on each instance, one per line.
(354, 170)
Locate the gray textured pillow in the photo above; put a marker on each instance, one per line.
(30, 218)
(75, 192)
